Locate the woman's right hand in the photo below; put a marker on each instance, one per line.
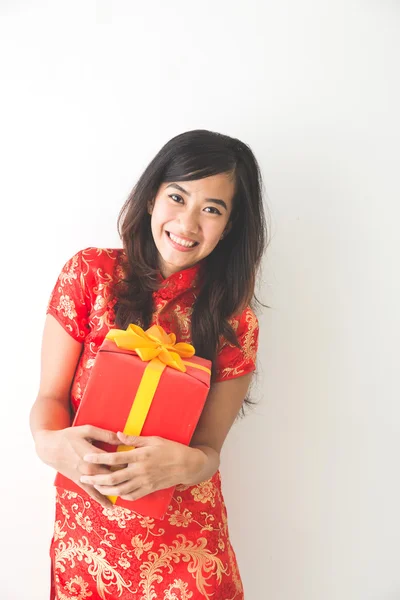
(64, 450)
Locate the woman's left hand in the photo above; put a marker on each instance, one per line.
(153, 464)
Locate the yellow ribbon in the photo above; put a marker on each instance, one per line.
(152, 343)
(159, 349)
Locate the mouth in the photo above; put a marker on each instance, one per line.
(181, 243)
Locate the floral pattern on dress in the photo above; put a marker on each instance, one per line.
(115, 552)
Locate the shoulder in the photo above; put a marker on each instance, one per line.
(235, 360)
(99, 257)
(96, 262)
(244, 322)
(92, 270)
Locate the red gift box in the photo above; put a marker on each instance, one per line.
(162, 397)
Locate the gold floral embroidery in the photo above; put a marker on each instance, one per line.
(78, 594)
(182, 317)
(58, 532)
(249, 343)
(84, 522)
(69, 274)
(249, 340)
(120, 515)
(182, 587)
(204, 492)
(158, 310)
(100, 302)
(124, 563)
(149, 524)
(76, 390)
(203, 519)
(181, 519)
(140, 546)
(88, 364)
(69, 495)
(202, 564)
(104, 574)
(102, 317)
(67, 306)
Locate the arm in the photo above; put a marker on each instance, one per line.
(51, 410)
(225, 397)
(58, 444)
(221, 409)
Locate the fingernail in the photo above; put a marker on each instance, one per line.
(85, 480)
(88, 457)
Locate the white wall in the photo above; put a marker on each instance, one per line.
(90, 92)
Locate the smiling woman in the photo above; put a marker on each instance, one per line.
(209, 170)
(193, 234)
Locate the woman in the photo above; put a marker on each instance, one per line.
(193, 233)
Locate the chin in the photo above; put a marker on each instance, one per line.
(181, 264)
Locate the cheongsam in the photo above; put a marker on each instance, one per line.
(112, 553)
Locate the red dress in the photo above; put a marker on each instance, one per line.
(118, 553)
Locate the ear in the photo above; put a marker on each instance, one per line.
(150, 205)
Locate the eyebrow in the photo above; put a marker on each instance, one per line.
(213, 200)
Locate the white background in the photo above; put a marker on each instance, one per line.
(90, 91)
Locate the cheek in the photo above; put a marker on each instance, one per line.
(213, 232)
(162, 215)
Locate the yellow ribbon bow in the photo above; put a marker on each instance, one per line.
(152, 343)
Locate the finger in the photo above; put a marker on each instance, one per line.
(123, 489)
(83, 446)
(101, 435)
(112, 458)
(96, 495)
(109, 478)
(88, 447)
(135, 495)
(86, 468)
(136, 440)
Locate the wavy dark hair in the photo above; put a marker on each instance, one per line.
(231, 268)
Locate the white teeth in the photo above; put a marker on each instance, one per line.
(181, 242)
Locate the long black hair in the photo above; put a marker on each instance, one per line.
(231, 268)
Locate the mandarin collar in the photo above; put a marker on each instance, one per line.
(180, 281)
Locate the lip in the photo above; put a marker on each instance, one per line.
(178, 246)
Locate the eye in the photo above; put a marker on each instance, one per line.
(213, 210)
(173, 196)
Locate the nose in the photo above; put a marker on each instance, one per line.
(189, 223)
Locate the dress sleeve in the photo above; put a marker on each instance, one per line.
(68, 301)
(233, 361)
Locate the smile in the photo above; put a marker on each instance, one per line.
(181, 242)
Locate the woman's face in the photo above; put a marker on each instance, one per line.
(188, 219)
